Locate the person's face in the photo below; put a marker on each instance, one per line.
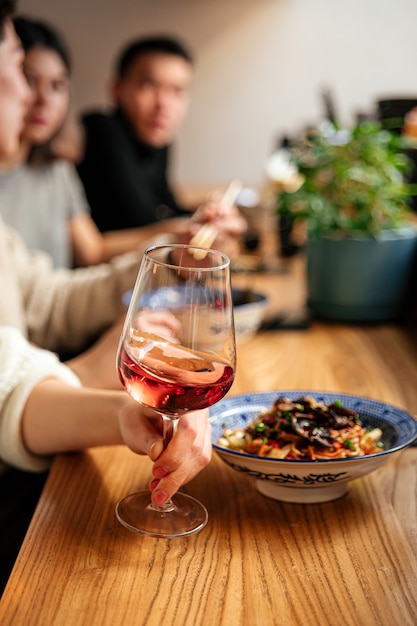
(48, 80)
(154, 96)
(14, 91)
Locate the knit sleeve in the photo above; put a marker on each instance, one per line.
(22, 367)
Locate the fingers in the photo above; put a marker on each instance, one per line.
(141, 428)
(186, 455)
(162, 323)
(225, 217)
(234, 224)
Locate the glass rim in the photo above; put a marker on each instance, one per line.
(180, 246)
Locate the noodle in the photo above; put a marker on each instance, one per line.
(305, 430)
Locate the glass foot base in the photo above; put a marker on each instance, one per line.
(186, 515)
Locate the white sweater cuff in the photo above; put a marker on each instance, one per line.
(22, 367)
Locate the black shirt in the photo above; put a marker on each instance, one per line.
(125, 181)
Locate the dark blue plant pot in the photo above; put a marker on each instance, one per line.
(361, 278)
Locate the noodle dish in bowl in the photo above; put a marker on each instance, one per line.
(306, 446)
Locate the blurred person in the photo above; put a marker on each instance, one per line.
(41, 195)
(125, 163)
(46, 406)
(126, 152)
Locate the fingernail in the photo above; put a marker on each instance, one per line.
(156, 449)
(159, 498)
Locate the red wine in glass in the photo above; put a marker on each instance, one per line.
(190, 382)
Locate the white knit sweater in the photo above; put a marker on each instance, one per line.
(22, 367)
(56, 309)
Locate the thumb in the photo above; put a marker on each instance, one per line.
(156, 449)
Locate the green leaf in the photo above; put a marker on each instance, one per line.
(353, 185)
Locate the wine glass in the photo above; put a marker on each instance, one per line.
(177, 353)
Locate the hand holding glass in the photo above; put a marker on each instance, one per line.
(176, 354)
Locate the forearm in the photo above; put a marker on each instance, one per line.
(66, 309)
(60, 418)
(96, 367)
(120, 241)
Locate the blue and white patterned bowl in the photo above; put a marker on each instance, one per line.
(309, 481)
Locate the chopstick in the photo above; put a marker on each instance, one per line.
(231, 193)
(206, 235)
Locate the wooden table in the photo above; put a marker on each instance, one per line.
(258, 561)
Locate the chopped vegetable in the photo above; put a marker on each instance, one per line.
(304, 429)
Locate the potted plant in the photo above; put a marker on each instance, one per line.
(350, 188)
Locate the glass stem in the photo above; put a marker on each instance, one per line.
(169, 426)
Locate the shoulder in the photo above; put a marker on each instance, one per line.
(98, 120)
(62, 168)
(103, 133)
(59, 172)
(107, 140)
(63, 186)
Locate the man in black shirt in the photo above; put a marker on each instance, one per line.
(124, 168)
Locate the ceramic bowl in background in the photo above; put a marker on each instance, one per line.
(249, 308)
(249, 311)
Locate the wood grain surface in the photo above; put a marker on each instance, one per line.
(350, 562)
